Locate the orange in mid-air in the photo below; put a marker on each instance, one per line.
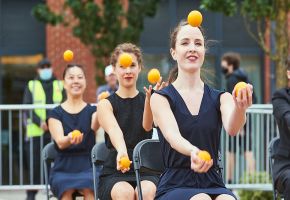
(204, 155)
(153, 76)
(125, 60)
(68, 55)
(103, 95)
(194, 18)
(75, 133)
(239, 86)
(124, 162)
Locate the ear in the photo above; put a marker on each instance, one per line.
(173, 54)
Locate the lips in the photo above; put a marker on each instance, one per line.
(192, 58)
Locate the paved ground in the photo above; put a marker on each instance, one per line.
(20, 195)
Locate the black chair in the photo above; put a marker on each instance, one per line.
(147, 157)
(273, 146)
(98, 156)
(48, 155)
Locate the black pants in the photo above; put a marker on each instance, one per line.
(283, 184)
(32, 150)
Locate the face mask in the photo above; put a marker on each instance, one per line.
(45, 74)
(225, 70)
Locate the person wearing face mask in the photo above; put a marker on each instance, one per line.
(230, 64)
(44, 89)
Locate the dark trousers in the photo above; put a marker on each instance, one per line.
(33, 147)
(283, 184)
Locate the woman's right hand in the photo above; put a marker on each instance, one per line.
(197, 164)
(76, 139)
(119, 156)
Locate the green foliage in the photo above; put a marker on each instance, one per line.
(228, 7)
(258, 9)
(257, 177)
(101, 28)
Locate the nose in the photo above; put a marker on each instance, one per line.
(192, 47)
(128, 70)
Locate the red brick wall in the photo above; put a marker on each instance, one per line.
(59, 39)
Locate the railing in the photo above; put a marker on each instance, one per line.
(16, 172)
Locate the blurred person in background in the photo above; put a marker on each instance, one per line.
(230, 64)
(44, 89)
(281, 112)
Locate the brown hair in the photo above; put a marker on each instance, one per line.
(232, 59)
(173, 73)
(71, 66)
(128, 48)
(175, 31)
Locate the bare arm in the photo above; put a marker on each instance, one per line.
(109, 123)
(233, 109)
(57, 133)
(95, 122)
(147, 114)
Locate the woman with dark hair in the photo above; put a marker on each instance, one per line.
(72, 170)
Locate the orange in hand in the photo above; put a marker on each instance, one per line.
(239, 86)
(153, 76)
(125, 60)
(75, 133)
(68, 55)
(124, 163)
(194, 18)
(204, 155)
(103, 95)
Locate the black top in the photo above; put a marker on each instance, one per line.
(203, 131)
(281, 111)
(237, 76)
(129, 115)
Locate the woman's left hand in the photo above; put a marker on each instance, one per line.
(244, 98)
(159, 85)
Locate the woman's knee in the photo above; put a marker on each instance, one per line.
(224, 197)
(148, 190)
(201, 196)
(122, 190)
(67, 195)
(88, 193)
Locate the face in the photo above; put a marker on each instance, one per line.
(127, 76)
(189, 49)
(288, 74)
(225, 67)
(111, 80)
(75, 81)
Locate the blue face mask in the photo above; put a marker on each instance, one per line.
(45, 74)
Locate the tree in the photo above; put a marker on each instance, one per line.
(262, 12)
(101, 27)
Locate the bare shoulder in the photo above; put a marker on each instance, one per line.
(104, 105)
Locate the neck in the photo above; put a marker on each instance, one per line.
(188, 80)
(75, 101)
(127, 92)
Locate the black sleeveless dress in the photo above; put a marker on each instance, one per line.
(179, 181)
(129, 115)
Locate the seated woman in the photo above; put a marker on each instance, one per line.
(127, 119)
(72, 170)
(189, 115)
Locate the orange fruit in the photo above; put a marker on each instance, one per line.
(153, 76)
(125, 60)
(204, 155)
(124, 163)
(68, 55)
(194, 18)
(75, 133)
(239, 86)
(103, 95)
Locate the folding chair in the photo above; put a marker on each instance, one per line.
(98, 156)
(147, 157)
(273, 146)
(48, 155)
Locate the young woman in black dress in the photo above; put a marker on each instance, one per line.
(189, 116)
(127, 119)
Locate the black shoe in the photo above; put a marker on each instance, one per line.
(31, 195)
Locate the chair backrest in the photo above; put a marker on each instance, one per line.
(273, 147)
(49, 152)
(99, 153)
(147, 156)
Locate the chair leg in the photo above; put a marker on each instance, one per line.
(95, 184)
(46, 179)
(140, 197)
